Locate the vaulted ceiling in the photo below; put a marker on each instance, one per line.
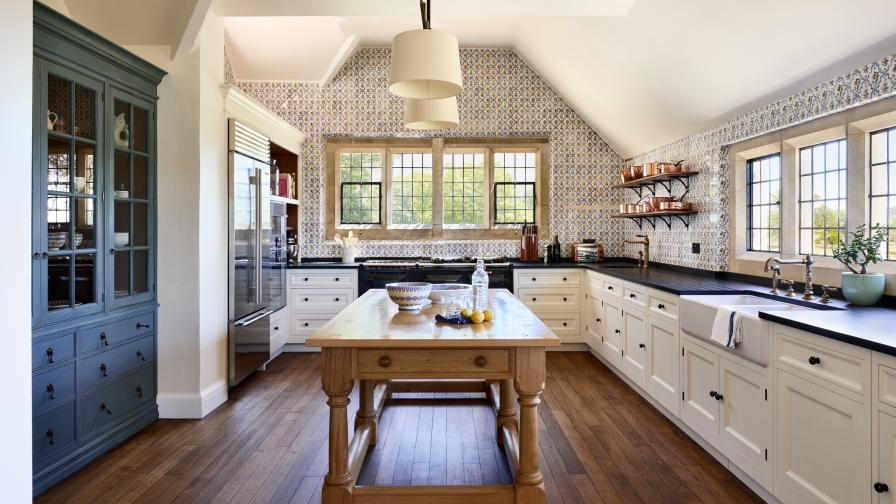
(642, 72)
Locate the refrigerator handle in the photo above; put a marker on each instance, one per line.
(245, 322)
(258, 236)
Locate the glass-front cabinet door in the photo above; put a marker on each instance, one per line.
(131, 214)
(67, 237)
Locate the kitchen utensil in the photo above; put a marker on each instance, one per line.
(657, 200)
(445, 293)
(674, 205)
(410, 296)
(676, 167)
(626, 176)
(56, 240)
(651, 169)
(637, 171)
(643, 208)
(79, 237)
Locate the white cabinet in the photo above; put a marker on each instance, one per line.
(555, 296)
(700, 385)
(662, 363)
(823, 443)
(745, 420)
(592, 321)
(315, 297)
(885, 459)
(634, 345)
(612, 341)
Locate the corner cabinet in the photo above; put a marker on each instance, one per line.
(93, 246)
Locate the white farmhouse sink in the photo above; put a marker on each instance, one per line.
(699, 312)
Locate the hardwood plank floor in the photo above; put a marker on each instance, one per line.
(600, 442)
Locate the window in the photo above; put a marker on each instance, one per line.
(514, 191)
(822, 169)
(360, 177)
(883, 186)
(764, 204)
(463, 192)
(412, 188)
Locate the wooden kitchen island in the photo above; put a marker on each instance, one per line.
(388, 350)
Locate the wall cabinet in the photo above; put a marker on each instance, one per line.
(93, 246)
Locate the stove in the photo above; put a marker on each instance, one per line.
(376, 273)
(390, 263)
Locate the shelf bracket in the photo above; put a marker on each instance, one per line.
(685, 219)
(685, 183)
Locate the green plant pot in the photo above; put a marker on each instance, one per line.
(864, 289)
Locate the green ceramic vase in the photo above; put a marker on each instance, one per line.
(864, 289)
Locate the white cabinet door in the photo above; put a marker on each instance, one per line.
(745, 420)
(884, 484)
(634, 354)
(592, 322)
(662, 363)
(823, 442)
(612, 342)
(700, 385)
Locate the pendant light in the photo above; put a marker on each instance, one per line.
(426, 62)
(437, 114)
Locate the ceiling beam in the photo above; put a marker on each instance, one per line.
(345, 52)
(187, 39)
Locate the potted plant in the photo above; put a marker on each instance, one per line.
(856, 252)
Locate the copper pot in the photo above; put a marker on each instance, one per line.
(656, 201)
(671, 167)
(626, 176)
(637, 171)
(651, 169)
(628, 208)
(643, 208)
(674, 205)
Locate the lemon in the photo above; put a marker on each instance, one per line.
(466, 312)
(477, 317)
(488, 315)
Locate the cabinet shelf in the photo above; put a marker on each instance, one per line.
(281, 199)
(664, 216)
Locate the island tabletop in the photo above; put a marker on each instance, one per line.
(373, 320)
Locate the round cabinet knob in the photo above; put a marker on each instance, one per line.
(597, 320)
(718, 397)
(642, 345)
(631, 296)
(305, 324)
(306, 299)
(533, 299)
(276, 328)
(661, 306)
(564, 299)
(337, 300)
(618, 331)
(565, 324)
(305, 279)
(337, 279)
(813, 360)
(533, 279)
(609, 287)
(385, 361)
(881, 487)
(564, 279)
(712, 393)
(480, 361)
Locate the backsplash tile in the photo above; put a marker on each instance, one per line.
(502, 97)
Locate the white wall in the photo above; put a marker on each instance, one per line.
(15, 262)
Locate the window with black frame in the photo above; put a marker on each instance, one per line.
(360, 187)
(822, 171)
(882, 196)
(514, 187)
(764, 204)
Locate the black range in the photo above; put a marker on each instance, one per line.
(376, 273)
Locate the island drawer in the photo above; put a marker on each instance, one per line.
(423, 363)
(321, 279)
(319, 300)
(541, 300)
(98, 338)
(849, 369)
(553, 278)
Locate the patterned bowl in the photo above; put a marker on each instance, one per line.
(409, 295)
(444, 293)
(55, 240)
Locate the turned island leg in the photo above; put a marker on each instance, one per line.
(529, 384)
(367, 412)
(506, 411)
(337, 384)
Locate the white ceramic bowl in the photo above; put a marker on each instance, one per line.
(122, 239)
(56, 240)
(444, 293)
(409, 295)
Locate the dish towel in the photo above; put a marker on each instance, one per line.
(728, 327)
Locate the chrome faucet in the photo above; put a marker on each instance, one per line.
(773, 265)
(643, 255)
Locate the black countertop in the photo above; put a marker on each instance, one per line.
(324, 264)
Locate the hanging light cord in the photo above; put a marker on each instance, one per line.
(425, 14)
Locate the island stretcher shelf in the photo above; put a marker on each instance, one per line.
(390, 351)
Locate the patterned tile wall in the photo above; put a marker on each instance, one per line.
(707, 151)
(502, 97)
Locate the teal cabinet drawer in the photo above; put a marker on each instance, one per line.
(52, 387)
(116, 401)
(101, 337)
(107, 366)
(51, 351)
(52, 431)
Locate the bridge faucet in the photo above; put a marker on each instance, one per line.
(773, 265)
(643, 255)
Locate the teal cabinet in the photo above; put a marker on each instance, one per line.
(93, 246)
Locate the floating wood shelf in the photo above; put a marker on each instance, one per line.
(664, 180)
(664, 216)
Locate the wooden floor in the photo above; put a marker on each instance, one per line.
(600, 442)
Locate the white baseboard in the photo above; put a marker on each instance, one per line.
(192, 405)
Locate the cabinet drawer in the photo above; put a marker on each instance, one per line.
(53, 430)
(117, 401)
(279, 329)
(98, 338)
(563, 324)
(663, 306)
(848, 371)
(612, 288)
(480, 363)
(52, 351)
(117, 361)
(552, 278)
(319, 300)
(303, 325)
(52, 387)
(635, 296)
(321, 279)
(550, 299)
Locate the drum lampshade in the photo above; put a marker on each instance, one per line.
(425, 65)
(435, 114)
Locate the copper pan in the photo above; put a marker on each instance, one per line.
(651, 169)
(677, 167)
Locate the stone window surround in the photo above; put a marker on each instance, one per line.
(854, 124)
(438, 145)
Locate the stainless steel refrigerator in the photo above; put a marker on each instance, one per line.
(257, 252)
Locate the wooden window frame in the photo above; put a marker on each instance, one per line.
(438, 147)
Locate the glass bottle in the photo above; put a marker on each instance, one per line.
(480, 286)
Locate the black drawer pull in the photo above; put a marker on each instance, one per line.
(141, 356)
(105, 408)
(103, 339)
(564, 299)
(50, 355)
(52, 391)
(533, 279)
(642, 345)
(813, 360)
(617, 331)
(337, 279)
(565, 324)
(480, 361)
(609, 287)
(564, 279)
(139, 391)
(878, 487)
(716, 395)
(276, 328)
(305, 324)
(661, 306)
(142, 326)
(50, 436)
(385, 361)
(337, 300)
(597, 320)
(104, 370)
(306, 299)
(305, 279)
(533, 299)
(632, 296)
